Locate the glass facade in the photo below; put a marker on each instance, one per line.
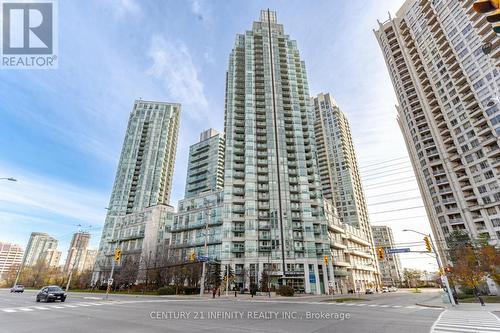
(272, 198)
(142, 184)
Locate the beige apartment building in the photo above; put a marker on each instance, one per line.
(448, 111)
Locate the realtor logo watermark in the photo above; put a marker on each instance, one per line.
(28, 34)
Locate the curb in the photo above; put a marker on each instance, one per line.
(430, 306)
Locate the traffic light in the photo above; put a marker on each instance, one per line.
(325, 258)
(192, 257)
(428, 245)
(492, 7)
(118, 254)
(381, 253)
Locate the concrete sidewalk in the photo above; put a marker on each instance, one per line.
(437, 302)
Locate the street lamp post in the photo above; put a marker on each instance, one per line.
(10, 179)
(442, 273)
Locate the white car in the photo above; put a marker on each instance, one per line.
(393, 289)
(385, 290)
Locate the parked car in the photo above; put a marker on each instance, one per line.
(18, 288)
(51, 294)
(385, 289)
(369, 291)
(393, 289)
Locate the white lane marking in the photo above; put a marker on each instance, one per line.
(25, 309)
(384, 306)
(83, 304)
(372, 305)
(397, 306)
(9, 310)
(410, 307)
(41, 308)
(69, 306)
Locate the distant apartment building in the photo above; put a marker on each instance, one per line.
(390, 268)
(75, 259)
(448, 111)
(338, 166)
(11, 255)
(199, 215)
(139, 204)
(206, 164)
(88, 263)
(41, 246)
(273, 211)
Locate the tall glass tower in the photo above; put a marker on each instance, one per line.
(273, 214)
(143, 182)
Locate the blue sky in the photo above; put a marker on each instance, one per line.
(61, 130)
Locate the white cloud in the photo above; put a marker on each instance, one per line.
(173, 66)
(36, 197)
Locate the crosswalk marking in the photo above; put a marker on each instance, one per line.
(466, 321)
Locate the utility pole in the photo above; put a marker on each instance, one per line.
(77, 259)
(205, 253)
(20, 268)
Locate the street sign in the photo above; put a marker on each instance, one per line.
(110, 281)
(400, 250)
(203, 258)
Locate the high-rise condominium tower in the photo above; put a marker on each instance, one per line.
(338, 166)
(75, 259)
(41, 246)
(390, 267)
(201, 209)
(272, 198)
(206, 164)
(448, 113)
(142, 187)
(339, 173)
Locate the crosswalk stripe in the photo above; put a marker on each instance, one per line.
(466, 322)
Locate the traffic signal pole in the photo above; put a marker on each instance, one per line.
(117, 257)
(444, 278)
(110, 280)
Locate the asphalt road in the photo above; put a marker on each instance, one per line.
(394, 312)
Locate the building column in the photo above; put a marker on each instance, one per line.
(307, 284)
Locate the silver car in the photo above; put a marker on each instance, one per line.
(18, 288)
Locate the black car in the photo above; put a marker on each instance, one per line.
(51, 294)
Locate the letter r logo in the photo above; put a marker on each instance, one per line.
(27, 28)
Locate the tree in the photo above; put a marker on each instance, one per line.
(456, 241)
(411, 277)
(228, 274)
(466, 269)
(214, 275)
